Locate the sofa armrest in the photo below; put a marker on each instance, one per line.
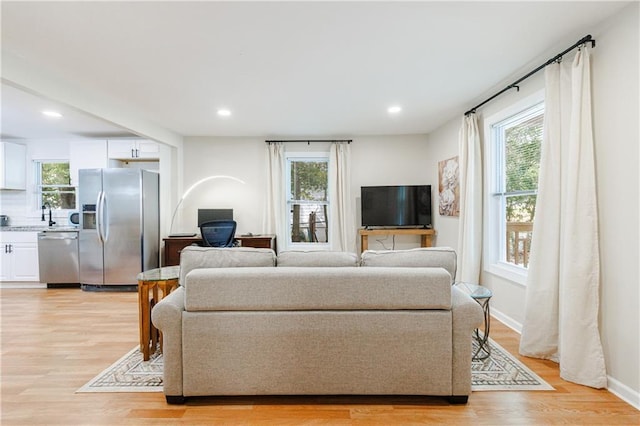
(167, 317)
(467, 316)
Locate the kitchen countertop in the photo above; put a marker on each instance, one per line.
(36, 228)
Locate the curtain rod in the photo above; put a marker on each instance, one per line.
(584, 40)
(312, 141)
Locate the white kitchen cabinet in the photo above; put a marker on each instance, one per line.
(136, 149)
(19, 256)
(13, 166)
(86, 154)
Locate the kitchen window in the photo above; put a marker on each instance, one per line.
(513, 162)
(53, 185)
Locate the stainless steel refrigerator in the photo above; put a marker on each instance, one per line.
(119, 226)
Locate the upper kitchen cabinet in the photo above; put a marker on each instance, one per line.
(137, 149)
(13, 164)
(86, 154)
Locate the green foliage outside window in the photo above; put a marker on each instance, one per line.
(54, 184)
(522, 155)
(309, 180)
(309, 197)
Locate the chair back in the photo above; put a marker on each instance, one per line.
(218, 233)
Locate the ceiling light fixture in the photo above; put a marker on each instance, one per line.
(224, 112)
(54, 114)
(394, 109)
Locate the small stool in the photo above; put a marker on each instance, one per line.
(153, 286)
(482, 295)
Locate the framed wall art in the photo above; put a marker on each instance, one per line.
(449, 187)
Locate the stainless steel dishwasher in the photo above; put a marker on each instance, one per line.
(58, 258)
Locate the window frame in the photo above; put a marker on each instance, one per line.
(307, 157)
(495, 225)
(37, 185)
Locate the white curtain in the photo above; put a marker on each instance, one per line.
(341, 222)
(470, 223)
(275, 221)
(562, 302)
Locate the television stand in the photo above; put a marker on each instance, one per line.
(425, 234)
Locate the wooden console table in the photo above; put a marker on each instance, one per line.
(426, 235)
(174, 245)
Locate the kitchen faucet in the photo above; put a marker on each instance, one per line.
(44, 206)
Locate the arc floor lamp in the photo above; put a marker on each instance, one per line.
(189, 190)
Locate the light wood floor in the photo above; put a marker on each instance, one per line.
(54, 341)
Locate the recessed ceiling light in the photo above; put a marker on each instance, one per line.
(394, 109)
(54, 114)
(224, 112)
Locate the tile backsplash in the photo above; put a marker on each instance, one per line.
(15, 204)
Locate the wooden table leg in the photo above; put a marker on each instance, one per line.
(145, 318)
(425, 240)
(153, 330)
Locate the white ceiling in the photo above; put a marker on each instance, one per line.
(22, 118)
(284, 68)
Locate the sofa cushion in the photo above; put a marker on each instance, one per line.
(442, 257)
(316, 258)
(194, 257)
(316, 288)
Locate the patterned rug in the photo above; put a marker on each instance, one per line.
(499, 372)
(502, 371)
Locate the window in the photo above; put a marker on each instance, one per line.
(307, 198)
(514, 164)
(53, 185)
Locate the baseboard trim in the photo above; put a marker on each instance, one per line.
(614, 386)
(507, 320)
(623, 392)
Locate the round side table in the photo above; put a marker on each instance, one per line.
(153, 286)
(482, 295)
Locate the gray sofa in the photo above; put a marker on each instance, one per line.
(318, 323)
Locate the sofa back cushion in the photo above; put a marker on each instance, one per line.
(316, 258)
(441, 257)
(194, 257)
(317, 288)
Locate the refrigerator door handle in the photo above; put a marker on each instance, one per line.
(104, 218)
(99, 216)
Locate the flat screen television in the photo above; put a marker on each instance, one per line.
(396, 206)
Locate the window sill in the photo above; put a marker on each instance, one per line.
(515, 274)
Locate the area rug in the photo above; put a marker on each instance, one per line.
(499, 372)
(503, 372)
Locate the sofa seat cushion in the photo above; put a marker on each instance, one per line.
(443, 257)
(316, 258)
(317, 288)
(194, 257)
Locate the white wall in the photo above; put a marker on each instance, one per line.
(615, 76)
(443, 144)
(389, 160)
(377, 160)
(615, 73)
(242, 158)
